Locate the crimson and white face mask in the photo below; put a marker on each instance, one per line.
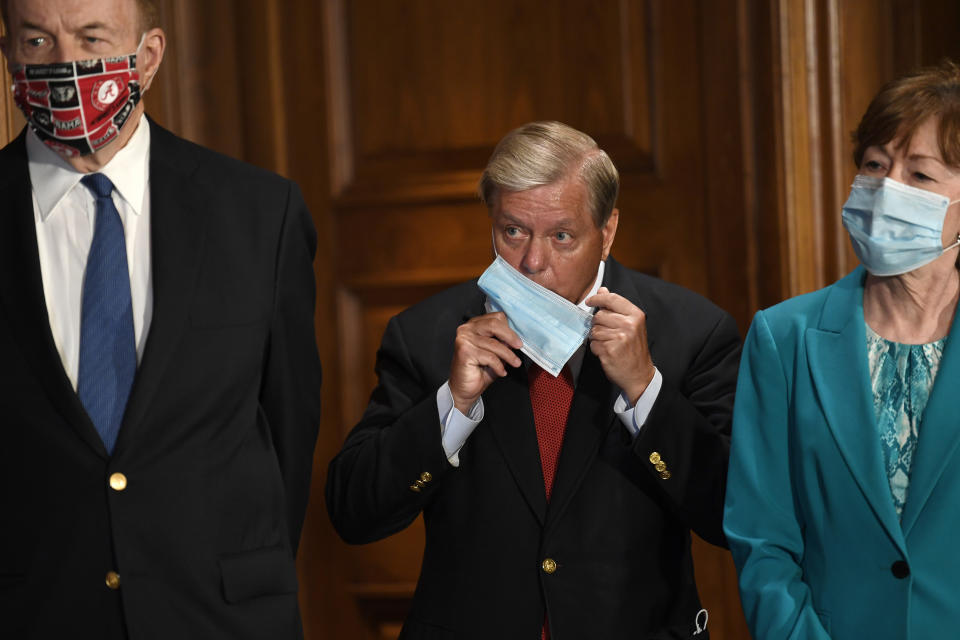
(77, 108)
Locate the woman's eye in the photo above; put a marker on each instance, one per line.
(922, 177)
(872, 165)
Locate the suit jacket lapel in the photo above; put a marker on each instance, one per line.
(837, 356)
(939, 436)
(591, 417)
(508, 411)
(21, 292)
(510, 417)
(177, 231)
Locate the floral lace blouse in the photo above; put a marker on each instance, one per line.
(901, 376)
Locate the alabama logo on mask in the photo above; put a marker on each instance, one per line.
(77, 108)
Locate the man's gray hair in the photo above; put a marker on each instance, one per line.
(541, 153)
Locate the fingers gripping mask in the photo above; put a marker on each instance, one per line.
(77, 108)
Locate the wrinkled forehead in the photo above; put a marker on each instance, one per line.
(916, 137)
(120, 16)
(565, 198)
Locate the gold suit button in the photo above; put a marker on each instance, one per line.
(549, 565)
(426, 477)
(654, 458)
(414, 487)
(113, 580)
(665, 475)
(118, 481)
(660, 466)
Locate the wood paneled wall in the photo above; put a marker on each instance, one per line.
(818, 64)
(729, 121)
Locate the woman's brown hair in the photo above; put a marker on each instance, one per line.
(902, 105)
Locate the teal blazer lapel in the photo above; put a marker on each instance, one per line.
(837, 356)
(939, 432)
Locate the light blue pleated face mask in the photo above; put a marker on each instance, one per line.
(551, 327)
(894, 228)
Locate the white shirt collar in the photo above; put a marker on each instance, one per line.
(53, 178)
(596, 287)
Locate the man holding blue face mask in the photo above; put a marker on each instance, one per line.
(562, 423)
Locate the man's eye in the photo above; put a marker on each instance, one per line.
(39, 41)
(873, 165)
(512, 231)
(922, 177)
(563, 236)
(92, 39)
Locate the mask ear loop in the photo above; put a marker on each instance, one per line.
(493, 241)
(696, 621)
(143, 38)
(955, 244)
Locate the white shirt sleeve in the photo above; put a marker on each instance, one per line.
(456, 427)
(633, 418)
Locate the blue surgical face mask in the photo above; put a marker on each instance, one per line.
(894, 228)
(551, 327)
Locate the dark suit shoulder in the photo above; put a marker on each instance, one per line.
(13, 159)
(215, 170)
(454, 305)
(656, 296)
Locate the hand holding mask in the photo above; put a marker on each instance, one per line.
(551, 327)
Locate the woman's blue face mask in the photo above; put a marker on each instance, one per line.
(895, 228)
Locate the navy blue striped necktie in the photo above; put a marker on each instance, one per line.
(108, 352)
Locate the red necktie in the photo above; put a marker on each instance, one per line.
(550, 398)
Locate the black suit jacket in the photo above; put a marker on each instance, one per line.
(218, 436)
(618, 533)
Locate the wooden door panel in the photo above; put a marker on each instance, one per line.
(426, 88)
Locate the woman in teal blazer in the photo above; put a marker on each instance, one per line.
(843, 496)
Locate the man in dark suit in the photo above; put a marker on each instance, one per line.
(160, 378)
(554, 507)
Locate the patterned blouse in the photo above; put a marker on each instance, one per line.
(902, 377)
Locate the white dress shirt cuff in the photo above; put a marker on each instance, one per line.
(633, 418)
(455, 427)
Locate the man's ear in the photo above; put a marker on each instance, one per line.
(609, 232)
(150, 56)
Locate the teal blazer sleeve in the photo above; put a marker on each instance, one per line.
(762, 524)
(809, 518)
